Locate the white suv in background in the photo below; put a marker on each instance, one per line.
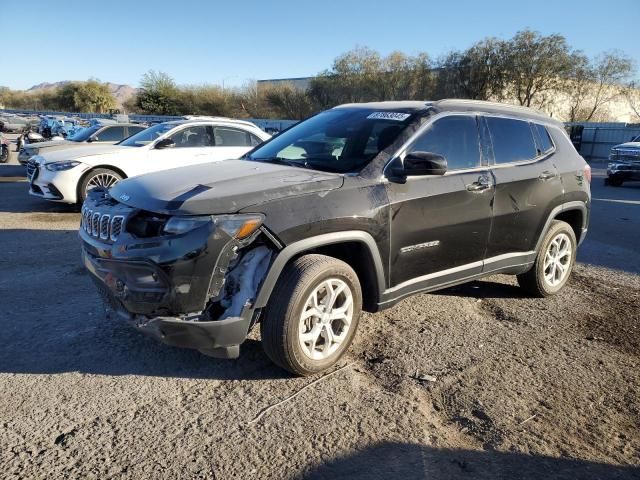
(67, 175)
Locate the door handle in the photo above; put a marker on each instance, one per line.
(547, 175)
(479, 185)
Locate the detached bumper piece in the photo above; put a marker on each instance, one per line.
(217, 338)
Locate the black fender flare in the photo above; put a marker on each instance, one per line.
(308, 244)
(564, 207)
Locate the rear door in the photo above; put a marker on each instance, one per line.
(527, 184)
(439, 223)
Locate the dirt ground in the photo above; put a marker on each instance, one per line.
(476, 381)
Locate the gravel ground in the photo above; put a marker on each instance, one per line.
(477, 381)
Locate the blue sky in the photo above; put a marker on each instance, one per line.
(235, 41)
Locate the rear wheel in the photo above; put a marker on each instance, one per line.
(4, 154)
(554, 262)
(613, 181)
(100, 177)
(312, 315)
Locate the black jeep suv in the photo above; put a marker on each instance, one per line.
(354, 208)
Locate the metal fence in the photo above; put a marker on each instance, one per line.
(597, 139)
(264, 124)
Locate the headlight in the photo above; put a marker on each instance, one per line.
(58, 166)
(176, 225)
(236, 226)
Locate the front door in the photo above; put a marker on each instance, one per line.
(192, 144)
(440, 224)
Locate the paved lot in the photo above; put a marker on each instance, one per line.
(524, 388)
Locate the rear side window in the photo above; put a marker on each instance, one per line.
(110, 134)
(512, 140)
(232, 137)
(544, 140)
(456, 138)
(134, 130)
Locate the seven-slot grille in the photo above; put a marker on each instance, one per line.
(101, 225)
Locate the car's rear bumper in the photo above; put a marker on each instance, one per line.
(23, 156)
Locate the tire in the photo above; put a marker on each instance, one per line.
(99, 175)
(542, 280)
(283, 329)
(4, 154)
(613, 181)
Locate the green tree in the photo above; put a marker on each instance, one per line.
(93, 96)
(159, 94)
(535, 65)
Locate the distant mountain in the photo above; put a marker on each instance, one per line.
(121, 92)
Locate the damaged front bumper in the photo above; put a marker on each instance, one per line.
(175, 288)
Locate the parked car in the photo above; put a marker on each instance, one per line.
(4, 149)
(354, 208)
(14, 123)
(624, 163)
(98, 134)
(66, 127)
(67, 175)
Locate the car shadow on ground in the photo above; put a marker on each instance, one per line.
(15, 198)
(483, 289)
(52, 321)
(409, 461)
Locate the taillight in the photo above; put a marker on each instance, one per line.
(587, 173)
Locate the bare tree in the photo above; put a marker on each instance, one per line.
(632, 94)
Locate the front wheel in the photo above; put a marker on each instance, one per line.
(312, 315)
(4, 154)
(100, 177)
(554, 262)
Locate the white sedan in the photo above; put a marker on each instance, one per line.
(67, 175)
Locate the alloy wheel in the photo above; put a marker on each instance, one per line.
(325, 319)
(104, 180)
(557, 259)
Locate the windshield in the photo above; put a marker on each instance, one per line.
(340, 140)
(147, 135)
(84, 134)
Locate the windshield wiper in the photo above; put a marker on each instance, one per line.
(281, 161)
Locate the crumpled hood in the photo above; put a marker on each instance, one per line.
(221, 187)
(87, 150)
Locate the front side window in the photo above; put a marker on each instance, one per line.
(512, 140)
(197, 136)
(454, 137)
(339, 140)
(148, 135)
(110, 134)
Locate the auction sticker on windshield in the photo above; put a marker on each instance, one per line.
(400, 117)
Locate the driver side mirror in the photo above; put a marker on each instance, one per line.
(165, 143)
(417, 164)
